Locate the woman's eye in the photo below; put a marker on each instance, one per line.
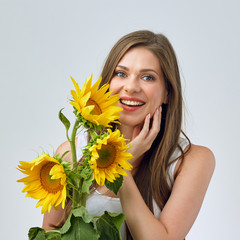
(120, 74)
(148, 78)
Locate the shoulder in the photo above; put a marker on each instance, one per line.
(201, 155)
(65, 147)
(199, 160)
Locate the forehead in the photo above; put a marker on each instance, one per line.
(140, 57)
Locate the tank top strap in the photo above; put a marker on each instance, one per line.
(183, 142)
(81, 142)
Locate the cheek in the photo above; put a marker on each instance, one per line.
(155, 103)
(157, 98)
(113, 86)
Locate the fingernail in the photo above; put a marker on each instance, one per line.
(160, 108)
(157, 111)
(148, 115)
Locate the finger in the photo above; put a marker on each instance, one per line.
(145, 128)
(157, 119)
(156, 123)
(160, 116)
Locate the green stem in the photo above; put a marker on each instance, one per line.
(67, 135)
(84, 199)
(76, 197)
(73, 147)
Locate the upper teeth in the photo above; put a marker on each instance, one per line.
(131, 103)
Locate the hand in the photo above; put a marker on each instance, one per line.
(143, 138)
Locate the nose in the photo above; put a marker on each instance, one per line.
(132, 85)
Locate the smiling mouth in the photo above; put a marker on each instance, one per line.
(131, 103)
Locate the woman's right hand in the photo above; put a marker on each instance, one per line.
(143, 137)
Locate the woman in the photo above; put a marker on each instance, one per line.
(162, 195)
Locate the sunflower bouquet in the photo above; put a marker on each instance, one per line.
(105, 158)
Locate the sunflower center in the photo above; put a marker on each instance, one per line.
(107, 155)
(50, 185)
(97, 110)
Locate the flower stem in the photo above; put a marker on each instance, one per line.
(76, 197)
(73, 147)
(84, 199)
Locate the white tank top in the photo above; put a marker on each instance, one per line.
(97, 203)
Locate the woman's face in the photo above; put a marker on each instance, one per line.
(139, 81)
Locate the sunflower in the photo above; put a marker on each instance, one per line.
(96, 106)
(109, 157)
(46, 181)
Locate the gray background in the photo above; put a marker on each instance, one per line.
(43, 43)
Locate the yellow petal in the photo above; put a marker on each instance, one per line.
(96, 85)
(76, 86)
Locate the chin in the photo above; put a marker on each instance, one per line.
(131, 121)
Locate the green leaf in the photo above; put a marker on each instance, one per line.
(57, 157)
(66, 164)
(86, 172)
(80, 230)
(36, 233)
(74, 179)
(115, 185)
(86, 186)
(83, 213)
(109, 225)
(66, 225)
(53, 235)
(64, 120)
(117, 219)
(86, 151)
(93, 134)
(64, 154)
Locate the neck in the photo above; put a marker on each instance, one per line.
(127, 131)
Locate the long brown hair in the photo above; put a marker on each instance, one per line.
(154, 168)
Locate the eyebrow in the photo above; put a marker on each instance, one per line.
(122, 67)
(142, 70)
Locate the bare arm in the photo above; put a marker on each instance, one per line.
(55, 216)
(183, 205)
